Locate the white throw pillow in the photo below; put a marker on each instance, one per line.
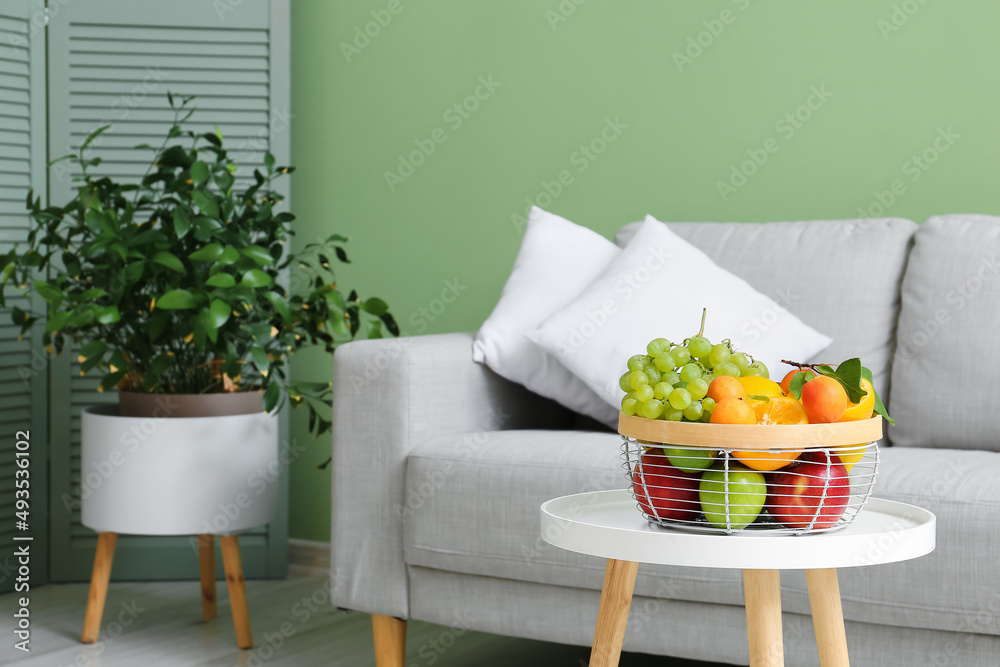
(556, 262)
(657, 287)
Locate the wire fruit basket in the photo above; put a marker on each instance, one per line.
(770, 479)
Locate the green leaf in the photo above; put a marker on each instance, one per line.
(269, 162)
(93, 293)
(798, 381)
(108, 315)
(375, 306)
(224, 180)
(221, 280)
(175, 156)
(49, 292)
(757, 397)
(271, 396)
(161, 364)
(133, 271)
(879, 408)
(229, 255)
(280, 305)
(218, 314)
(848, 374)
(255, 278)
(111, 380)
(342, 255)
(57, 321)
(338, 326)
(260, 359)
(259, 255)
(177, 299)
(208, 253)
(93, 135)
(92, 219)
(95, 348)
(206, 202)
(181, 224)
(199, 173)
(170, 261)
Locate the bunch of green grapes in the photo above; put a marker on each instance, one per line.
(671, 381)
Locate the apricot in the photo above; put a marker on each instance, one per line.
(788, 379)
(724, 387)
(824, 399)
(733, 410)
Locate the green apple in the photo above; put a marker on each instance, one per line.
(747, 493)
(690, 459)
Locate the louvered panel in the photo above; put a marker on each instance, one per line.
(13, 138)
(175, 80)
(141, 34)
(80, 49)
(251, 101)
(111, 63)
(206, 92)
(22, 385)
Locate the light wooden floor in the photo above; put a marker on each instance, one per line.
(165, 629)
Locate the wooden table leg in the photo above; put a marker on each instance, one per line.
(390, 640)
(762, 593)
(237, 590)
(828, 617)
(99, 578)
(206, 565)
(616, 598)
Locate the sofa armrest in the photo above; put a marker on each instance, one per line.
(388, 396)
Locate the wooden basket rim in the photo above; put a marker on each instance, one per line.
(750, 436)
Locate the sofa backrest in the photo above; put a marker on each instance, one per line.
(841, 277)
(946, 367)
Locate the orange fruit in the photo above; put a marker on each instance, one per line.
(758, 386)
(788, 378)
(863, 409)
(824, 399)
(724, 387)
(781, 410)
(732, 410)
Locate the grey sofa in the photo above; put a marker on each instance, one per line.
(439, 465)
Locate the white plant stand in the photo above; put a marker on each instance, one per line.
(203, 476)
(608, 524)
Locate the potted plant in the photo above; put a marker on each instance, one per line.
(172, 289)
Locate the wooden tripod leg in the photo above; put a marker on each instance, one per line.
(828, 617)
(206, 564)
(237, 590)
(762, 593)
(98, 586)
(616, 598)
(390, 640)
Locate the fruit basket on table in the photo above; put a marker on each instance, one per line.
(773, 479)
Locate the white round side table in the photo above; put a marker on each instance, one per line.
(608, 524)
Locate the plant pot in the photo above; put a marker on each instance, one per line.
(180, 475)
(134, 404)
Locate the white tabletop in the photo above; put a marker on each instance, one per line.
(608, 524)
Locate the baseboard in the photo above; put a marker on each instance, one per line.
(308, 558)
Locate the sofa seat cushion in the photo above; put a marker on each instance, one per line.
(472, 507)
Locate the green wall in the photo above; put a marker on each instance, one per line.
(885, 81)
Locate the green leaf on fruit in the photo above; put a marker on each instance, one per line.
(758, 397)
(848, 374)
(798, 381)
(879, 408)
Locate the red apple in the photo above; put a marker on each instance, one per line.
(795, 493)
(672, 492)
